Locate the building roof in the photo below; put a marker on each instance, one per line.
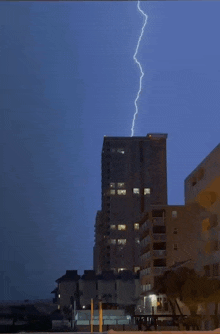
(89, 275)
(147, 137)
(106, 275)
(55, 290)
(71, 275)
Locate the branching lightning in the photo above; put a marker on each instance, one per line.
(137, 62)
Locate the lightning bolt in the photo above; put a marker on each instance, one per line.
(137, 62)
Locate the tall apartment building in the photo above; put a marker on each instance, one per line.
(203, 186)
(134, 176)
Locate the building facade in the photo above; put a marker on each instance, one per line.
(202, 186)
(114, 290)
(170, 235)
(134, 176)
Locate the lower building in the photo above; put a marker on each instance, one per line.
(116, 291)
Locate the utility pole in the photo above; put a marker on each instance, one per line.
(71, 305)
(100, 317)
(73, 311)
(92, 311)
(74, 314)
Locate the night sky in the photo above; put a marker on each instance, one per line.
(67, 79)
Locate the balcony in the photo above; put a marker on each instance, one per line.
(158, 221)
(145, 233)
(159, 253)
(159, 270)
(145, 249)
(146, 256)
(145, 225)
(146, 271)
(159, 237)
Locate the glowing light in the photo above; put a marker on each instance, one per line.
(152, 297)
(137, 62)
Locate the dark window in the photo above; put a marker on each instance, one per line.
(159, 246)
(96, 285)
(159, 229)
(193, 181)
(214, 221)
(158, 213)
(141, 151)
(165, 305)
(215, 245)
(215, 269)
(207, 270)
(160, 263)
(115, 286)
(175, 230)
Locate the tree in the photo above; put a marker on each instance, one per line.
(186, 285)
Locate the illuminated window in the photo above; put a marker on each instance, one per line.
(59, 296)
(58, 306)
(112, 185)
(112, 192)
(175, 247)
(120, 150)
(113, 241)
(121, 184)
(121, 241)
(136, 226)
(121, 269)
(174, 214)
(137, 240)
(122, 227)
(175, 230)
(136, 269)
(121, 192)
(136, 191)
(146, 191)
(112, 227)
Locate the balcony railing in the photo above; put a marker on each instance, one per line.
(146, 271)
(160, 236)
(145, 225)
(159, 270)
(158, 221)
(145, 249)
(159, 253)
